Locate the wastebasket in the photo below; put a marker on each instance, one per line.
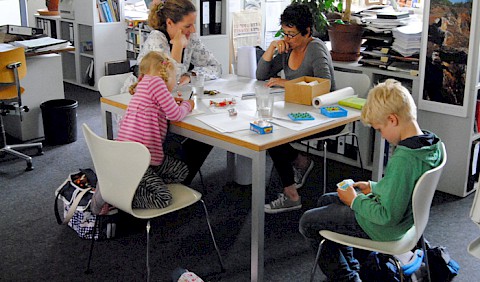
(59, 121)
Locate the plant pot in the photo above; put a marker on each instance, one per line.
(346, 40)
(52, 5)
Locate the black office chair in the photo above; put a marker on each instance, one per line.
(13, 67)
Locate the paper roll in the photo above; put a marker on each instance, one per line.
(333, 97)
(246, 61)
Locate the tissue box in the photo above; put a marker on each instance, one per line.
(304, 94)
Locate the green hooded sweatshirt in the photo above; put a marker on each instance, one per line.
(386, 213)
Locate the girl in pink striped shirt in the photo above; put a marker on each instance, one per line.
(146, 122)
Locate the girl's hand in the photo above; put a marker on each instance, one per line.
(179, 100)
(192, 103)
(347, 195)
(276, 81)
(364, 186)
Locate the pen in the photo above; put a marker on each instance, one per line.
(191, 93)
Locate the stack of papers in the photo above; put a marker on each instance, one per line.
(407, 39)
(42, 44)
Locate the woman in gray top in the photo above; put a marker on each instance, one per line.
(297, 54)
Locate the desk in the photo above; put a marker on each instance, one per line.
(245, 143)
(43, 82)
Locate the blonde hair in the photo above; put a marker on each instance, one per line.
(154, 63)
(162, 10)
(386, 98)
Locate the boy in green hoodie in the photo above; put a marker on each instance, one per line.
(382, 210)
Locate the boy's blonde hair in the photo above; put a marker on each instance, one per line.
(155, 63)
(386, 98)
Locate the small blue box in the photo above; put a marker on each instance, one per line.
(261, 127)
(333, 111)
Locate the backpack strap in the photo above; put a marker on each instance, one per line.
(72, 208)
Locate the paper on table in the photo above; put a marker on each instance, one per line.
(301, 125)
(333, 97)
(225, 123)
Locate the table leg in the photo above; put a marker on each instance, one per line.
(379, 149)
(258, 215)
(230, 166)
(107, 124)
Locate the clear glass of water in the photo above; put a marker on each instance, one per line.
(197, 83)
(264, 103)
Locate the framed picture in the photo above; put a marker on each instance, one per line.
(444, 57)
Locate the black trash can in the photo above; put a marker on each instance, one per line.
(59, 121)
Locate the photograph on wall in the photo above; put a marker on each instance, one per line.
(446, 56)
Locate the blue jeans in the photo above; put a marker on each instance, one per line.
(336, 261)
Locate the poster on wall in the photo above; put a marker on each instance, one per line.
(444, 57)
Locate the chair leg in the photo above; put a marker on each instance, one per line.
(324, 166)
(399, 267)
(213, 237)
(148, 250)
(96, 227)
(317, 257)
(422, 240)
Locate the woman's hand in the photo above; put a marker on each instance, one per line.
(364, 186)
(347, 195)
(276, 81)
(281, 46)
(179, 39)
(184, 79)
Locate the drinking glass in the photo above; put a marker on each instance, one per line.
(264, 103)
(197, 83)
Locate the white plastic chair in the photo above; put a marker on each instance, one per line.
(361, 84)
(421, 201)
(112, 84)
(119, 178)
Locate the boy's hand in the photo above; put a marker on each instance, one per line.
(364, 186)
(347, 195)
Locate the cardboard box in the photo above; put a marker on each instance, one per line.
(304, 94)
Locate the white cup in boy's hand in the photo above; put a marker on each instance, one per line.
(344, 184)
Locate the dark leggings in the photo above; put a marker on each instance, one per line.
(283, 156)
(193, 153)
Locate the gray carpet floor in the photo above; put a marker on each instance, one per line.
(35, 248)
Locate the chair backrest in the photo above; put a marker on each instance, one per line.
(119, 166)
(112, 84)
(360, 82)
(423, 195)
(12, 56)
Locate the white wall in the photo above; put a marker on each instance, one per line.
(32, 7)
(10, 12)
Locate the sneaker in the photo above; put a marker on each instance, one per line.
(300, 175)
(283, 204)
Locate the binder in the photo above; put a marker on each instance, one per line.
(20, 30)
(217, 26)
(204, 17)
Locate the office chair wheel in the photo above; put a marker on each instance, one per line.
(29, 166)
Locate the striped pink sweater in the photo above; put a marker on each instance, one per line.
(146, 118)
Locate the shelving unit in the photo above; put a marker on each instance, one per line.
(218, 43)
(94, 41)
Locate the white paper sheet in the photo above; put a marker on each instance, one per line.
(224, 123)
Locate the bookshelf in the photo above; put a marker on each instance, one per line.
(95, 42)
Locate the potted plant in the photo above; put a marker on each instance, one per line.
(345, 36)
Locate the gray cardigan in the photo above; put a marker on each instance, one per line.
(317, 63)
